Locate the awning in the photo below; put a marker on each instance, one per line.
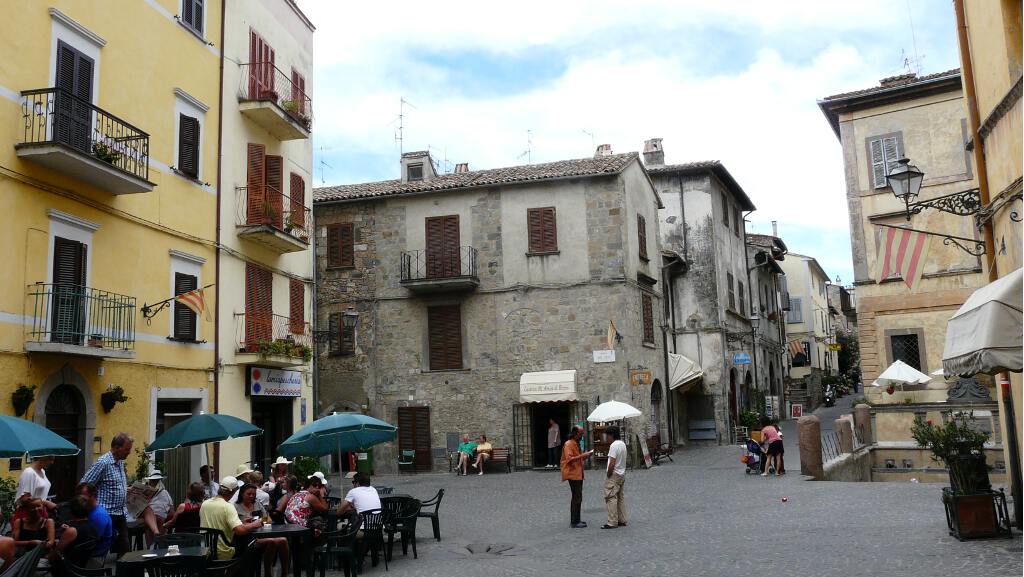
(546, 386)
(682, 370)
(984, 336)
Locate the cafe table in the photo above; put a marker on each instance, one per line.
(133, 563)
(300, 545)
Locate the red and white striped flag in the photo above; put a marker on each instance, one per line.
(195, 300)
(795, 348)
(901, 252)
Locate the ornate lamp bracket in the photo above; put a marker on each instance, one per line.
(963, 243)
(964, 203)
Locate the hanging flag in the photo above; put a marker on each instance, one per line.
(195, 300)
(795, 348)
(610, 336)
(901, 252)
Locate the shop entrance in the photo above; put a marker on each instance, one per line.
(65, 416)
(540, 421)
(530, 429)
(274, 416)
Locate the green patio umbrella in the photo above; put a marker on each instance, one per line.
(201, 429)
(19, 437)
(338, 433)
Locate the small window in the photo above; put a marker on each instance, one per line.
(343, 342)
(737, 222)
(415, 172)
(341, 245)
(192, 15)
(641, 230)
(444, 337)
(884, 152)
(184, 317)
(647, 304)
(742, 299)
(796, 311)
(188, 146)
(542, 230)
(725, 210)
(732, 291)
(907, 349)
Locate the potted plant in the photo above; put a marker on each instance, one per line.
(105, 153)
(96, 341)
(973, 509)
(21, 398)
(112, 397)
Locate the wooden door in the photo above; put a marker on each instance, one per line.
(72, 115)
(414, 435)
(65, 416)
(442, 246)
(67, 322)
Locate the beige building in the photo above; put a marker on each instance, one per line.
(808, 324)
(921, 118)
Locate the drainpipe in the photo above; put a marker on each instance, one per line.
(974, 118)
(216, 307)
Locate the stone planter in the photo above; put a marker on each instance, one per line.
(977, 516)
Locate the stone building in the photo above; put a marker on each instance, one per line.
(922, 118)
(702, 229)
(809, 331)
(482, 293)
(769, 298)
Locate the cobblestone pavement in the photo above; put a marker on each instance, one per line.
(699, 516)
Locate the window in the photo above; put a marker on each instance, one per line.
(261, 69)
(67, 319)
(796, 311)
(192, 15)
(802, 359)
(542, 230)
(884, 151)
(647, 306)
(641, 231)
(737, 222)
(265, 181)
(259, 307)
(732, 291)
(299, 92)
(444, 257)
(74, 75)
(725, 210)
(764, 305)
(906, 348)
(414, 172)
(188, 145)
(344, 343)
(742, 298)
(341, 245)
(297, 204)
(184, 317)
(444, 333)
(296, 306)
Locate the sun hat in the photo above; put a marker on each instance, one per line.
(242, 469)
(155, 475)
(320, 476)
(281, 461)
(230, 483)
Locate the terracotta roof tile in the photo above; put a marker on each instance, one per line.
(894, 82)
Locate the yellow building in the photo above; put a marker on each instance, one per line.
(107, 165)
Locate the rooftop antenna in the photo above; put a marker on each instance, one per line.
(913, 38)
(528, 153)
(593, 143)
(400, 133)
(322, 165)
(437, 165)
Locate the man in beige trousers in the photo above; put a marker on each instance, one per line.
(615, 478)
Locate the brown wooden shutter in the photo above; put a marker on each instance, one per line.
(297, 306)
(256, 178)
(254, 66)
(442, 246)
(188, 145)
(297, 195)
(299, 91)
(549, 229)
(641, 228)
(259, 306)
(184, 317)
(648, 317)
(273, 190)
(444, 327)
(341, 245)
(414, 435)
(346, 337)
(534, 229)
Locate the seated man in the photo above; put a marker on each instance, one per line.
(217, 513)
(362, 497)
(465, 453)
(78, 530)
(100, 520)
(483, 453)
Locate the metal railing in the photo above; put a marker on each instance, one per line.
(55, 116)
(257, 332)
(829, 446)
(264, 82)
(82, 316)
(265, 205)
(457, 262)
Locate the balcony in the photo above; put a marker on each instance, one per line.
(272, 340)
(266, 216)
(427, 271)
(268, 97)
(81, 321)
(67, 134)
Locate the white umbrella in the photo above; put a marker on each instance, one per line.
(900, 373)
(613, 411)
(984, 336)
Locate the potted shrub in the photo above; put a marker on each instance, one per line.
(21, 398)
(112, 397)
(105, 153)
(96, 341)
(973, 509)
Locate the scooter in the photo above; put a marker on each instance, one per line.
(830, 395)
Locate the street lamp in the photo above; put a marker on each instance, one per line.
(350, 318)
(905, 181)
(754, 321)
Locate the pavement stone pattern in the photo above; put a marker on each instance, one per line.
(701, 515)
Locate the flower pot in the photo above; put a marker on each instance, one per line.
(96, 341)
(107, 401)
(976, 516)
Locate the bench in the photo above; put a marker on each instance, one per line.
(658, 450)
(501, 455)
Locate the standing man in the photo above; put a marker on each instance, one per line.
(108, 476)
(615, 478)
(554, 440)
(572, 471)
(210, 487)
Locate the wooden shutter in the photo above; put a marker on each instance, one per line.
(254, 64)
(442, 246)
(73, 118)
(444, 327)
(299, 91)
(68, 306)
(541, 229)
(273, 191)
(345, 344)
(414, 435)
(256, 178)
(297, 201)
(184, 317)
(340, 245)
(884, 154)
(69, 258)
(742, 299)
(297, 306)
(188, 145)
(641, 230)
(259, 305)
(725, 210)
(648, 317)
(732, 291)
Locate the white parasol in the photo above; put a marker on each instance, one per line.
(613, 411)
(900, 373)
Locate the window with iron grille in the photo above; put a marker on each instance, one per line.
(344, 341)
(906, 348)
(647, 305)
(732, 291)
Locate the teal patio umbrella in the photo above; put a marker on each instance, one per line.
(201, 429)
(338, 433)
(19, 437)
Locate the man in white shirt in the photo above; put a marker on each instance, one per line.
(210, 487)
(615, 477)
(361, 498)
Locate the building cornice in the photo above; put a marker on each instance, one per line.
(72, 220)
(191, 99)
(74, 25)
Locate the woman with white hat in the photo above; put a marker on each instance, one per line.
(273, 486)
(160, 509)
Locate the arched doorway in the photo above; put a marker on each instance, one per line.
(748, 383)
(733, 407)
(655, 428)
(65, 416)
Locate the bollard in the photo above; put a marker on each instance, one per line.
(862, 419)
(809, 439)
(844, 433)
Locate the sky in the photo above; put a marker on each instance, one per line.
(505, 84)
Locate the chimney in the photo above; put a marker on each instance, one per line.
(654, 154)
(461, 167)
(898, 80)
(603, 150)
(417, 166)
(775, 228)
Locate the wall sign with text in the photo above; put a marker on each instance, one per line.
(267, 382)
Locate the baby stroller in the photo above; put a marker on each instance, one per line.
(754, 459)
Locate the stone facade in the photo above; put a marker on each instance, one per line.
(529, 313)
(768, 300)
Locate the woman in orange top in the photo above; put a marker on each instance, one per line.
(572, 471)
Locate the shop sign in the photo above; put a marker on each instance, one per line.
(267, 382)
(604, 356)
(835, 347)
(640, 378)
(741, 358)
(796, 410)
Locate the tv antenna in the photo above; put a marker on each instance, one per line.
(528, 153)
(400, 133)
(322, 165)
(593, 143)
(915, 64)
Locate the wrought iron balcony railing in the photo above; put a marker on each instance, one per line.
(81, 316)
(265, 82)
(268, 333)
(266, 206)
(55, 116)
(453, 263)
